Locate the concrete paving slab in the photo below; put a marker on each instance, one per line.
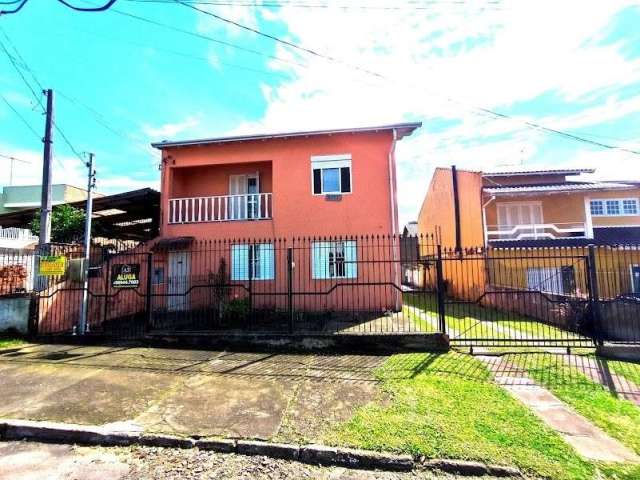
(224, 406)
(187, 392)
(28, 461)
(586, 438)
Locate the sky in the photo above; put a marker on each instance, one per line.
(122, 82)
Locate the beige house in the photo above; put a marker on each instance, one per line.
(559, 207)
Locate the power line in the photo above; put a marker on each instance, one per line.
(330, 58)
(100, 8)
(493, 5)
(24, 80)
(205, 37)
(28, 84)
(19, 115)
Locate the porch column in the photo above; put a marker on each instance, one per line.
(588, 222)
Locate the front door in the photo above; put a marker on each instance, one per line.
(243, 200)
(178, 281)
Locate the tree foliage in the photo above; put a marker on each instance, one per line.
(67, 224)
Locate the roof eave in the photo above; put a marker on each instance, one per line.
(402, 129)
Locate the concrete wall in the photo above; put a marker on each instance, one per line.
(14, 313)
(437, 212)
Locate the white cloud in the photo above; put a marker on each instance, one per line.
(441, 63)
(171, 129)
(65, 169)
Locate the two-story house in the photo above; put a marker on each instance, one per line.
(530, 208)
(328, 186)
(546, 210)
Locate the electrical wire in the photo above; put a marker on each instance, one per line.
(28, 84)
(24, 120)
(100, 8)
(492, 5)
(330, 58)
(206, 37)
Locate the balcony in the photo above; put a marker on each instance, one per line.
(536, 231)
(223, 208)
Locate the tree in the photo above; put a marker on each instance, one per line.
(67, 224)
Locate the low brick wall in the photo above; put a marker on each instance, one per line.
(620, 320)
(558, 310)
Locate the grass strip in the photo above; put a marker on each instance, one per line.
(446, 406)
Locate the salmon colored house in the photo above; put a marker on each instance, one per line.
(259, 192)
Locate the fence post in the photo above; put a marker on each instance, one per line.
(149, 288)
(594, 295)
(440, 289)
(290, 287)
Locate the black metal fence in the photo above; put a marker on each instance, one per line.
(340, 285)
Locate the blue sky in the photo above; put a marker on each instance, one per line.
(571, 65)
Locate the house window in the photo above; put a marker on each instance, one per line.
(614, 207)
(255, 262)
(331, 174)
(597, 207)
(553, 280)
(334, 259)
(630, 206)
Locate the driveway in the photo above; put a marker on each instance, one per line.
(269, 396)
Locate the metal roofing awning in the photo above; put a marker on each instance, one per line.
(173, 242)
(556, 188)
(403, 129)
(552, 171)
(133, 215)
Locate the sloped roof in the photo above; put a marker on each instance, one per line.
(403, 130)
(558, 187)
(552, 171)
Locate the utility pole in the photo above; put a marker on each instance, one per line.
(45, 203)
(91, 184)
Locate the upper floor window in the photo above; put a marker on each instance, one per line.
(614, 207)
(331, 174)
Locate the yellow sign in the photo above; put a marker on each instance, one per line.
(53, 265)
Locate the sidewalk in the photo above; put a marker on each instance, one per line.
(186, 392)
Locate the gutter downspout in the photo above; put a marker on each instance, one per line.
(394, 203)
(456, 208)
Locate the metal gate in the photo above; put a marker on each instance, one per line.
(354, 285)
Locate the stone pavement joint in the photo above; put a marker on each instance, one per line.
(586, 438)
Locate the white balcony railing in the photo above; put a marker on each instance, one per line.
(224, 208)
(536, 231)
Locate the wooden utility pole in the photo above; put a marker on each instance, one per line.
(45, 203)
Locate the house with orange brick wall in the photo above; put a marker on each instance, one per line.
(259, 194)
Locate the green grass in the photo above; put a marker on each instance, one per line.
(475, 321)
(10, 342)
(618, 417)
(445, 406)
(628, 370)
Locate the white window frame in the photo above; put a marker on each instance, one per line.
(237, 272)
(322, 162)
(548, 277)
(331, 247)
(620, 202)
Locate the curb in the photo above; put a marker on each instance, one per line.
(52, 432)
